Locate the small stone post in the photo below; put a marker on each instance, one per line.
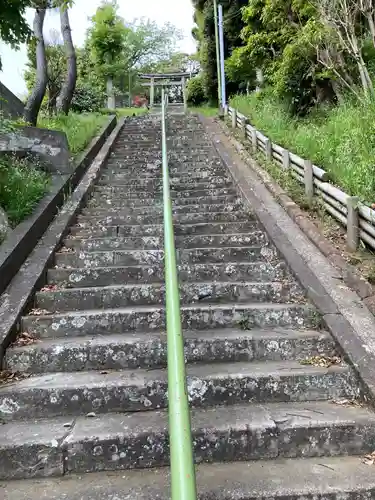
(226, 110)
(285, 159)
(352, 228)
(243, 127)
(254, 140)
(184, 94)
(152, 93)
(309, 180)
(268, 147)
(234, 118)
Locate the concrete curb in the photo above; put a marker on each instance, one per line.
(350, 275)
(22, 240)
(31, 275)
(346, 316)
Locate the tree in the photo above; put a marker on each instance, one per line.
(106, 41)
(13, 25)
(36, 96)
(204, 34)
(67, 91)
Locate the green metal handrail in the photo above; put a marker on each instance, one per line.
(183, 483)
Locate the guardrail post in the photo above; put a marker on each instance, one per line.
(234, 118)
(309, 180)
(285, 159)
(268, 146)
(243, 127)
(254, 140)
(352, 228)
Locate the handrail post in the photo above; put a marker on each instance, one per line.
(183, 482)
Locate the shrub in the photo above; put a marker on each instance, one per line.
(21, 187)
(195, 91)
(87, 99)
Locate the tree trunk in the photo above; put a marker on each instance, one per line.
(37, 94)
(66, 95)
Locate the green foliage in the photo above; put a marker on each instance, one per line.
(106, 38)
(338, 138)
(87, 99)
(22, 185)
(195, 91)
(79, 128)
(204, 34)
(13, 25)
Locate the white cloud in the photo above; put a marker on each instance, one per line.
(177, 12)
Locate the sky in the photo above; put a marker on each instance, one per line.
(177, 12)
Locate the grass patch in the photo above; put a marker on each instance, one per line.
(340, 139)
(21, 187)
(79, 128)
(120, 112)
(205, 110)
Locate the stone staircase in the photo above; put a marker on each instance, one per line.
(273, 416)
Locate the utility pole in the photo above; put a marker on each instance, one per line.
(222, 68)
(217, 53)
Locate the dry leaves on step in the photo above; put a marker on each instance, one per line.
(66, 250)
(49, 288)
(24, 338)
(6, 376)
(321, 361)
(369, 459)
(348, 403)
(39, 312)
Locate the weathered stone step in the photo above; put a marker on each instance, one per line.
(109, 210)
(140, 441)
(111, 297)
(156, 242)
(138, 186)
(151, 318)
(103, 201)
(79, 393)
(88, 230)
(116, 192)
(147, 257)
(117, 219)
(331, 478)
(149, 350)
(157, 180)
(119, 275)
(145, 172)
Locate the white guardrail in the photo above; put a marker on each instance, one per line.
(358, 219)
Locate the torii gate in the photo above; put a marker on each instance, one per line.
(165, 80)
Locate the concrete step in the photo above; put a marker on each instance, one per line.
(109, 210)
(89, 230)
(149, 350)
(151, 318)
(86, 221)
(149, 257)
(80, 393)
(324, 478)
(156, 242)
(151, 171)
(104, 201)
(116, 192)
(157, 180)
(135, 185)
(119, 275)
(225, 434)
(111, 297)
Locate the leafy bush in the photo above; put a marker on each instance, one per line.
(21, 187)
(79, 128)
(195, 91)
(86, 99)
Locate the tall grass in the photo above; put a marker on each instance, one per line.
(79, 128)
(21, 187)
(340, 139)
